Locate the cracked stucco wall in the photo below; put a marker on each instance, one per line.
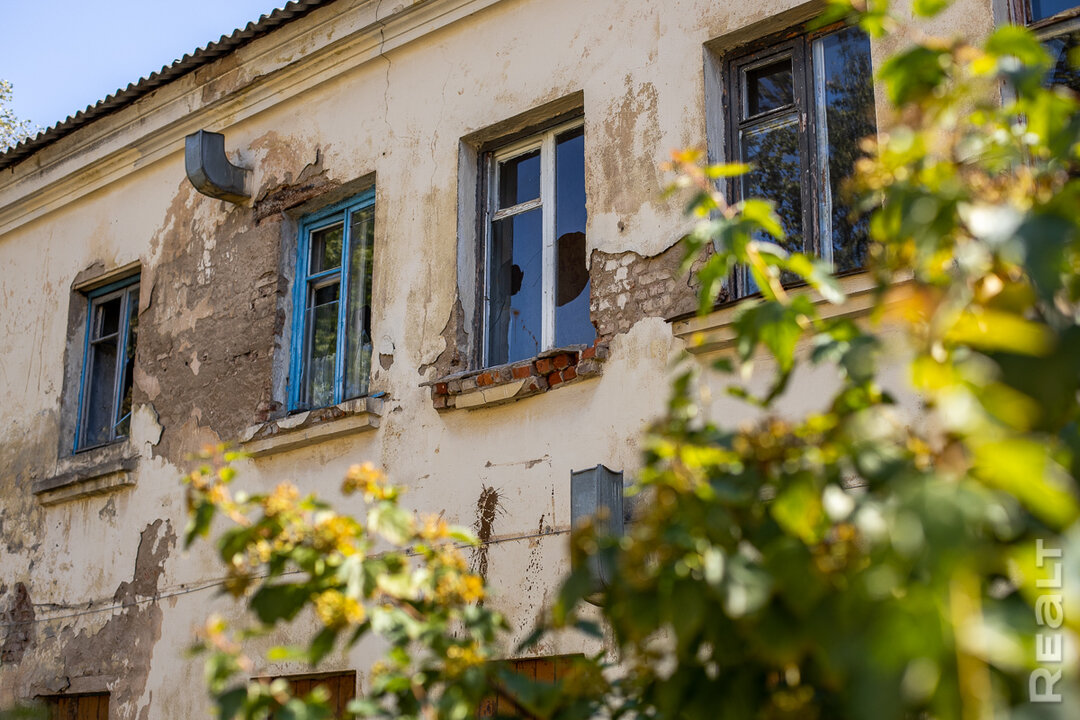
(94, 592)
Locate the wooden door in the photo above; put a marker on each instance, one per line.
(88, 706)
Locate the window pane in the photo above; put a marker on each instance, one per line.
(1041, 9)
(572, 325)
(107, 317)
(325, 249)
(317, 385)
(516, 288)
(769, 87)
(358, 320)
(773, 151)
(127, 373)
(100, 394)
(845, 92)
(1065, 60)
(519, 179)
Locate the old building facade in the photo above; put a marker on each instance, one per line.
(446, 253)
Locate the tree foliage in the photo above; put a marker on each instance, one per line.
(391, 576)
(12, 130)
(861, 561)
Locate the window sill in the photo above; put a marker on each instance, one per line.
(502, 384)
(715, 331)
(312, 426)
(91, 472)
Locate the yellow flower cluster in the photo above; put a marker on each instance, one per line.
(336, 533)
(434, 528)
(450, 557)
(370, 481)
(337, 610)
(282, 500)
(460, 658)
(453, 587)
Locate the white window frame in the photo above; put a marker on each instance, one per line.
(545, 142)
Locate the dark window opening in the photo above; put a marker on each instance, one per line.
(112, 329)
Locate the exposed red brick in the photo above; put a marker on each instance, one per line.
(484, 379)
(544, 366)
(440, 402)
(522, 371)
(562, 360)
(441, 389)
(554, 379)
(569, 373)
(588, 353)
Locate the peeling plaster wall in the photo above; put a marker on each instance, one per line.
(94, 593)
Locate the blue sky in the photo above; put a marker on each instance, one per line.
(62, 55)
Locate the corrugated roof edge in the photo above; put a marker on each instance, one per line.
(125, 96)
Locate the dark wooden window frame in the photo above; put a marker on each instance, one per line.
(795, 42)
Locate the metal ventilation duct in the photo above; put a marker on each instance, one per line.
(597, 493)
(210, 171)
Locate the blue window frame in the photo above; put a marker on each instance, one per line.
(112, 324)
(331, 343)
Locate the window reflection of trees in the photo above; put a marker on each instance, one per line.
(849, 98)
(773, 150)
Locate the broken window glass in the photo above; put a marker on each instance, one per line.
(572, 323)
(105, 399)
(537, 278)
(333, 326)
(517, 292)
